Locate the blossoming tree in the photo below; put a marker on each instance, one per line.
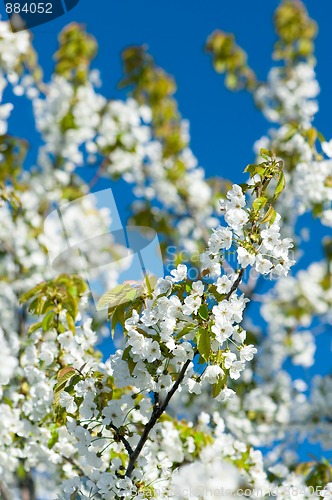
(194, 390)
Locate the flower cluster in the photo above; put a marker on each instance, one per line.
(288, 99)
(289, 94)
(266, 251)
(290, 311)
(13, 49)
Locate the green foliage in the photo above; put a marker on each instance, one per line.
(126, 297)
(217, 388)
(204, 343)
(259, 203)
(76, 51)
(270, 216)
(230, 59)
(64, 376)
(316, 473)
(13, 152)
(152, 86)
(327, 245)
(52, 297)
(268, 171)
(118, 295)
(10, 197)
(296, 32)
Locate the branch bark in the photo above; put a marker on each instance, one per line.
(4, 491)
(124, 441)
(27, 488)
(158, 410)
(235, 284)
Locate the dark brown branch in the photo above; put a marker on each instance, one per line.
(123, 440)
(235, 284)
(158, 410)
(27, 488)
(4, 491)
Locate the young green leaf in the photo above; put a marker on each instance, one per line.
(259, 203)
(204, 343)
(280, 185)
(270, 216)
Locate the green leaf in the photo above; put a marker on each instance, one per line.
(131, 365)
(47, 321)
(34, 327)
(254, 169)
(260, 170)
(116, 296)
(126, 353)
(280, 185)
(31, 293)
(131, 295)
(63, 376)
(320, 137)
(33, 307)
(265, 153)
(204, 343)
(53, 439)
(203, 312)
(201, 360)
(291, 132)
(270, 216)
(150, 282)
(126, 357)
(259, 203)
(184, 331)
(71, 306)
(216, 388)
(118, 317)
(115, 320)
(251, 168)
(317, 209)
(71, 322)
(66, 373)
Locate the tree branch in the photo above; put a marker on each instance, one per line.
(123, 440)
(158, 410)
(4, 491)
(27, 488)
(235, 284)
